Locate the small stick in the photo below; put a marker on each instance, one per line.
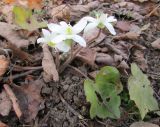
(14, 100)
(77, 70)
(70, 108)
(20, 68)
(20, 75)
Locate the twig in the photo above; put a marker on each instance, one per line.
(5, 79)
(68, 61)
(77, 70)
(70, 108)
(20, 68)
(13, 99)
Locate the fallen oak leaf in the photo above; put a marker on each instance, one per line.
(5, 104)
(49, 67)
(8, 32)
(4, 63)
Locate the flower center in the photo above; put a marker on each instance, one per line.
(69, 30)
(68, 42)
(52, 44)
(101, 25)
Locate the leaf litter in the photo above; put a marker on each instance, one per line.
(119, 51)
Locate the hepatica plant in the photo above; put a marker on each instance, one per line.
(62, 36)
(103, 93)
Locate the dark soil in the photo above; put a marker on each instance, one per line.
(65, 102)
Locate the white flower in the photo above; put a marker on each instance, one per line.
(68, 33)
(100, 21)
(51, 40)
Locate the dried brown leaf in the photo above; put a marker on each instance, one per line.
(9, 33)
(128, 35)
(3, 124)
(5, 104)
(104, 59)
(138, 57)
(123, 25)
(14, 100)
(49, 67)
(4, 63)
(29, 99)
(143, 124)
(87, 55)
(156, 44)
(72, 11)
(92, 34)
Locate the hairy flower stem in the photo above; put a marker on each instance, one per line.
(74, 53)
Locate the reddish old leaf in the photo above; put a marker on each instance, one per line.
(3, 124)
(9, 1)
(4, 63)
(5, 104)
(87, 55)
(123, 25)
(9, 33)
(49, 67)
(27, 3)
(156, 44)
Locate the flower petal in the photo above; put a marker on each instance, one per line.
(90, 26)
(45, 32)
(110, 28)
(55, 28)
(103, 18)
(41, 40)
(77, 28)
(111, 19)
(63, 47)
(63, 24)
(79, 40)
(90, 19)
(59, 38)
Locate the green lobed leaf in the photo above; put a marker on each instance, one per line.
(110, 77)
(24, 18)
(141, 92)
(108, 102)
